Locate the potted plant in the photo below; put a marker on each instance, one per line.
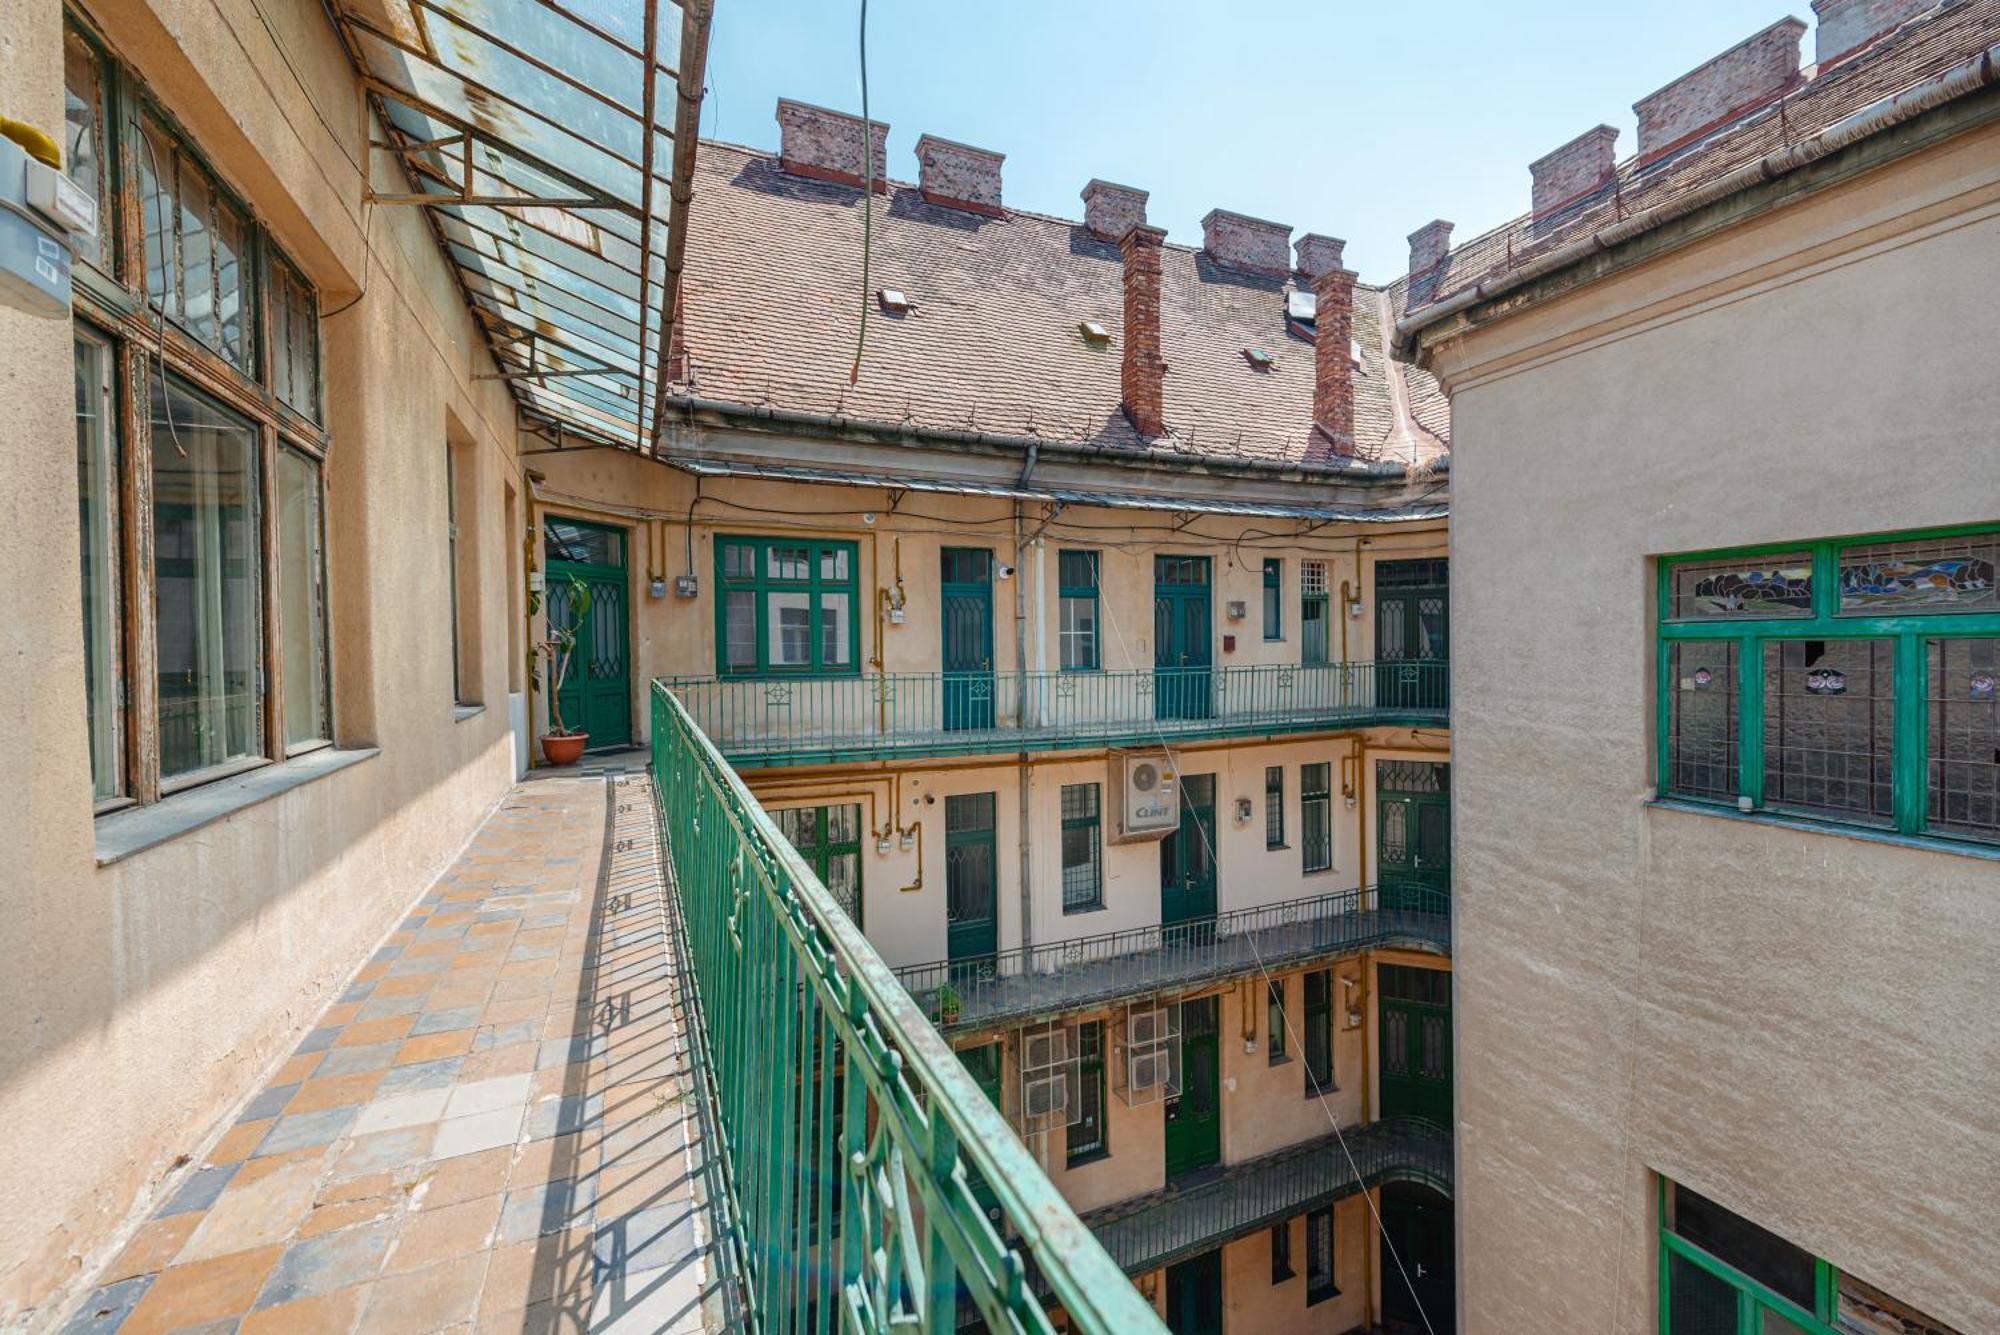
(560, 745)
(948, 1004)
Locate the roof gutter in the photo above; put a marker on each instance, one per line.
(768, 415)
(1980, 71)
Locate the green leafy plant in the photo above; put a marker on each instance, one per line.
(949, 1003)
(560, 647)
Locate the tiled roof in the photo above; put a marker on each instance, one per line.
(1927, 45)
(991, 342)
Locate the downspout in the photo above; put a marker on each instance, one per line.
(1022, 768)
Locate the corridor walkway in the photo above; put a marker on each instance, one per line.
(493, 1129)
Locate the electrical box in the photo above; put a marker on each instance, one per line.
(1235, 609)
(35, 247)
(686, 586)
(1148, 796)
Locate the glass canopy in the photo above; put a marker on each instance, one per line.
(528, 131)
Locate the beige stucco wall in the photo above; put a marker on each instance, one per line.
(1252, 1304)
(1798, 1024)
(140, 999)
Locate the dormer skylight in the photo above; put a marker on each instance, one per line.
(1259, 359)
(1301, 305)
(1093, 332)
(894, 301)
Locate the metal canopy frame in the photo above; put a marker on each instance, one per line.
(534, 134)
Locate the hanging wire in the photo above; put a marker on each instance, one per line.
(867, 200)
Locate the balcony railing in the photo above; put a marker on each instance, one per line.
(803, 720)
(1166, 1226)
(847, 1129)
(1067, 975)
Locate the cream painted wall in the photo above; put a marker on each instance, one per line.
(1797, 1024)
(141, 999)
(1252, 1304)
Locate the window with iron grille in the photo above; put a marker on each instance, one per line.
(1313, 627)
(1318, 1035)
(1276, 1041)
(1082, 848)
(1076, 636)
(1086, 1134)
(1316, 816)
(1841, 680)
(205, 625)
(1281, 1251)
(1274, 606)
(1274, 806)
(1320, 1283)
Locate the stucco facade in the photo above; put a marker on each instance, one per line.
(1793, 1021)
(152, 979)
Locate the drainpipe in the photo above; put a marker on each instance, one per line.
(1025, 770)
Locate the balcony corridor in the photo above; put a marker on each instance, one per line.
(493, 1128)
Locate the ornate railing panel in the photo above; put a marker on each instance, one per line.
(798, 720)
(847, 1127)
(1065, 975)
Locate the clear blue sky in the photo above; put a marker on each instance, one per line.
(1362, 120)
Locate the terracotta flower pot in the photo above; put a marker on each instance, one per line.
(564, 749)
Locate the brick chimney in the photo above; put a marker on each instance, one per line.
(1251, 244)
(1317, 253)
(1582, 166)
(1333, 347)
(1141, 372)
(826, 145)
(959, 176)
(1110, 210)
(1847, 24)
(1746, 76)
(1429, 245)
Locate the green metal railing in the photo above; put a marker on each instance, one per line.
(802, 720)
(1065, 975)
(847, 1127)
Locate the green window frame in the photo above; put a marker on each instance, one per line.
(1316, 817)
(1274, 807)
(1275, 1042)
(1841, 680)
(1703, 1291)
(812, 587)
(1078, 644)
(1315, 625)
(1318, 1036)
(1086, 1141)
(1274, 602)
(1082, 847)
(1281, 1251)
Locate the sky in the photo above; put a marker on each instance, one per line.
(1361, 121)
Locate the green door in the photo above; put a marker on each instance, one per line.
(1182, 642)
(983, 1065)
(1413, 834)
(1187, 856)
(829, 838)
(971, 878)
(1418, 1221)
(1412, 634)
(966, 595)
(1194, 1295)
(1415, 1039)
(597, 693)
(1194, 1116)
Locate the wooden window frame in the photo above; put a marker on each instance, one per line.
(1909, 633)
(1091, 592)
(762, 585)
(146, 347)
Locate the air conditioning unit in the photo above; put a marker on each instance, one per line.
(1144, 1028)
(1042, 1048)
(1149, 1066)
(1045, 1098)
(1147, 1071)
(1049, 1072)
(1149, 795)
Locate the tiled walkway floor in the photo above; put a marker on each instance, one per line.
(492, 1130)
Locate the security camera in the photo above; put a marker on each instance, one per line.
(1006, 571)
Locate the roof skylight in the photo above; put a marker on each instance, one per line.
(1259, 359)
(1093, 332)
(894, 301)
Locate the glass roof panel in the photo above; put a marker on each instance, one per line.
(548, 98)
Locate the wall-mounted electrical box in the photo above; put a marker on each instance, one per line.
(39, 208)
(1236, 609)
(687, 586)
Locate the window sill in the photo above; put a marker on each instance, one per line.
(1807, 825)
(1082, 911)
(1282, 1059)
(1086, 1160)
(136, 829)
(460, 713)
(1314, 1297)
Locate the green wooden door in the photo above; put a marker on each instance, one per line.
(829, 838)
(1412, 634)
(1418, 1221)
(966, 598)
(1415, 1041)
(983, 1065)
(1413, 834)
(971, 878)
(1194, 1295)
(1187, 856)
(1182, 639)
(597, 693)
(1194, 1117)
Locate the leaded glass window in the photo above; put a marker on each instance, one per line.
(1701, 722)
(1924, 576)
(1962, 793)
(1829, 727)
(1082, 848)
(1764, 586)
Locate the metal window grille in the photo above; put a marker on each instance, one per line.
(1320, 1283)
(1274, 1021)
(1048, 1078)
(1316, 816)
(1150, 1057)
(1319, 1031)
(1701, 723)
(1082, 847)
(1086, 1138)
(1962, 795)
(1274, 806)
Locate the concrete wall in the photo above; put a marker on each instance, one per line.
(1797, 1024)
(140, 998)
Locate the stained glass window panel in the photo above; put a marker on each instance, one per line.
(1702, 702)
(1963, 747)
(1927, 575)
(1829, 726)
(1767, 586)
